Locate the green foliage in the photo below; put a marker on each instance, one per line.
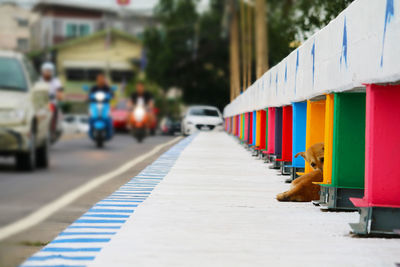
(315, 14)
(189, 52)
(291, 20)
(281, 32)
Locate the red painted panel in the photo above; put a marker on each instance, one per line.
(382, 142)
(287, 125)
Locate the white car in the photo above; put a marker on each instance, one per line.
(202, 118)
(75, 124)
(24, 113)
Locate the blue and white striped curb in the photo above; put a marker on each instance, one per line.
(79, 243)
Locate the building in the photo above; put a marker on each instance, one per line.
(14, 27)
(61, 20)
(113, 52)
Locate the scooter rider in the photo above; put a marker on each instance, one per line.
(56, 94)
(102, 86)
(144, 97)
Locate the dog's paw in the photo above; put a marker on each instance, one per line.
(281, 197)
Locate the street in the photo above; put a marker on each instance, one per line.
(74, 162)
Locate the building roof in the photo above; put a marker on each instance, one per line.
(89, 7)
(114, 33)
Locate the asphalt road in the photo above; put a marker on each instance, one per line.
(73, 163)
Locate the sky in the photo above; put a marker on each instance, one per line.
(135, 4)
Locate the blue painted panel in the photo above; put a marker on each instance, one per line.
(299, 132)
(254, 127)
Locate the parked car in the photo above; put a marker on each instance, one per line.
(120, 115)
(202, 118)
(169, 126)
(24, 113)
(75, 123)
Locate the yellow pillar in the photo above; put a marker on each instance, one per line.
(315, 125)
(258, 128)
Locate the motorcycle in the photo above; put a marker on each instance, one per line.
(138, 121)
(100, 121)
(56, 129)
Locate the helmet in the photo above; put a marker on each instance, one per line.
(48, 66)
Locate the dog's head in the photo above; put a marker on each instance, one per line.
(314, 155)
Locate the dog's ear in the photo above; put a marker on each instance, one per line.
(300, 154)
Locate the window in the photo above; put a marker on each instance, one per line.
(22, 22)
(76, 29)
(33, 76)
(76, 74)
(69, 119)
(84, 120)
(22, 44)
(121, 76)
(12, 75)
(84, 30)
(72, 30)
(204, 112)
(92, 74)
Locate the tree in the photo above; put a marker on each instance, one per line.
(188, 51)
(315, 14)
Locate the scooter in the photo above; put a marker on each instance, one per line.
(100, 121)
(138, 121)
(56, 129)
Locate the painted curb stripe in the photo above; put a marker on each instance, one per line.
(81, 248)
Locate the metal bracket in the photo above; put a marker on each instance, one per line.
(285, 169)
(377, 221)
(323, 196)
(337, 198)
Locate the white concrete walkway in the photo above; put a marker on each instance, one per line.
(217, 207)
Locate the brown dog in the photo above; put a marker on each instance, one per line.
(303, 188)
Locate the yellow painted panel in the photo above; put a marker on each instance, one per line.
(241, 126)
(315, 125)
(328, 140)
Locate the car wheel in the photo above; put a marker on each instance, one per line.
(26, 161)
(42, 154)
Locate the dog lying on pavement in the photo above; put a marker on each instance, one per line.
(303, 188)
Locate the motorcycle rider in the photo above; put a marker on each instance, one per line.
(56, 94)
(144, 97)
(102, 86)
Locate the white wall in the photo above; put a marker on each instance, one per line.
(368, 45)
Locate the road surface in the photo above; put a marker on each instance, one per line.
(73, 163)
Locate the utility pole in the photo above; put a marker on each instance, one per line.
(261, 36)
(234, 50)
(249, 43)
(243, 37)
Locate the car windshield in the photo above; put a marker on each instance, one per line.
(203, 112)
(12, 76)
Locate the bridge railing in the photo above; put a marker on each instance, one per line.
(360, 46)
(327, 89)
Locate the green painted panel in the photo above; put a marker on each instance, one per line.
(348, 140)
